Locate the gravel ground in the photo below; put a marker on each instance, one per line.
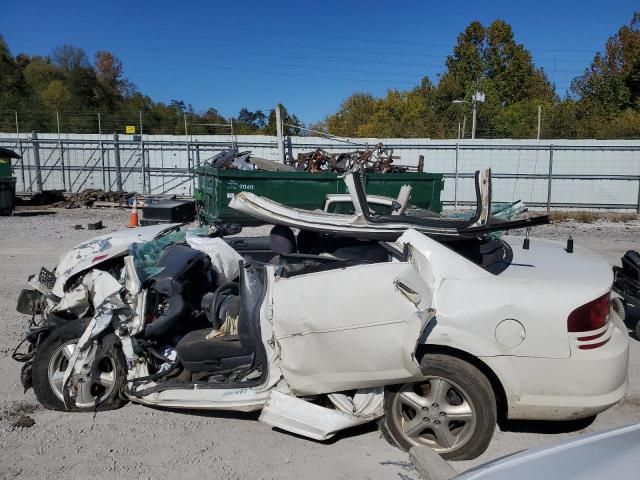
(141, 442)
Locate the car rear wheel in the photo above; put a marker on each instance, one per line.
(453, 410)
(100, 391)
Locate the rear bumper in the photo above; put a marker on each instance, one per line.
(587, 383)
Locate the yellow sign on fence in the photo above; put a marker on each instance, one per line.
(130, 129)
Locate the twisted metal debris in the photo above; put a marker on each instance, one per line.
(373, 160)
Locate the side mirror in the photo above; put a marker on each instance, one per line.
(29, 302)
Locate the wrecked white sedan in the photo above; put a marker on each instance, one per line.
(323, 332)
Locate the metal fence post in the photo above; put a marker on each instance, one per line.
(143, 166)
(550, 178)
(116, 158)
(24, 187)
(279, 134)
(36, 161)
(455, 185)
(104, 176)
(61, 156)
(233, 138)
(186, 142)
(638, 205)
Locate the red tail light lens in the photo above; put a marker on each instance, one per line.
(590, 316)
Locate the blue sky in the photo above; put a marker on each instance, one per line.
(308, 55)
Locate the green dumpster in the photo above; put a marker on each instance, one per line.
(5, 167)
(303, 190)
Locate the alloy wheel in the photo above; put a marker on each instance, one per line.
(436, 412)
(95, 388)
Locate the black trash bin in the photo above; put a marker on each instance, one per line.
(7, 195)
(168, 211)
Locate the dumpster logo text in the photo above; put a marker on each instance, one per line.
(233, 185)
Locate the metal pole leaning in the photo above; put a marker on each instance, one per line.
(550, 178)
(116, 158)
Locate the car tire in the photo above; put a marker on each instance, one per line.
(49, 366)
(452, 411)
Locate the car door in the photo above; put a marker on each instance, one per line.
(350, 327)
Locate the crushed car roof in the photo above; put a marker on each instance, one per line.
(367, 225)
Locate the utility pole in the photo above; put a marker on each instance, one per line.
(477, 97)
(539, 120)
(473, 121)
(279, 133)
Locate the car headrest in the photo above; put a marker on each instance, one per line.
(282, 240)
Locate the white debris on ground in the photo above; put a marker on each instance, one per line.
(141, 442)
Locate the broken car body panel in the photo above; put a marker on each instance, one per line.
(100, 249)
(362, 224)
(301, 417)
(349, 337)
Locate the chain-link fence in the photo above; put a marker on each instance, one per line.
(545, 173)
(128, 151)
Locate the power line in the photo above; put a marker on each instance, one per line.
(328, 59)
(298, 74)
(420, 44)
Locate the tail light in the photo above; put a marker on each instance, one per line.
(590, 316)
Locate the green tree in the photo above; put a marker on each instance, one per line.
(291, 123)
(608, 92)
(465, 66)
(353, 115)
(39, 72)
(256, 120)
(56, 95)
(110, 76)
(489, 59)
(13, 86)
(404, 114)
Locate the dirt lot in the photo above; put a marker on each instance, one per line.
(140, 442)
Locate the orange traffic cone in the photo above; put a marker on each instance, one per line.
(133, 217)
